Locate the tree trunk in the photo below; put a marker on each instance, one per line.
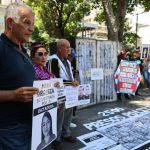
(110, 21)
(122, 7)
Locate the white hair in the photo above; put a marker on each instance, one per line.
(13, 11)
(61, 42)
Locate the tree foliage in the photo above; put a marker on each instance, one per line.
(60, 18)
(114, 15)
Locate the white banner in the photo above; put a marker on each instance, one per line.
(71, 96)
(97, 74)
(77, 95)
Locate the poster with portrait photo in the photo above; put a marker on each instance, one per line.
(44, 120)
(60, 90)
(144, 51)
(84, 91)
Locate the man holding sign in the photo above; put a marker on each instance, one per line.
(61, 68)
(16, 79)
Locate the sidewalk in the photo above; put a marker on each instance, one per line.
(105, 110)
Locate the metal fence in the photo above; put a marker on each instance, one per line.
(93, 53)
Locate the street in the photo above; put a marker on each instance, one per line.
(120, 125)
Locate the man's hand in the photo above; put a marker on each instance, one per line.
(25, 94)
(75, 83)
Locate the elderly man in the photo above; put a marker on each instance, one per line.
(60, 66)
(16, 79)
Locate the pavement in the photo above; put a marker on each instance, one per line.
(102, 115)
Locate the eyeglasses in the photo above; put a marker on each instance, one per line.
(40, 54)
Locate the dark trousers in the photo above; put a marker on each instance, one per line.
(64, 117)
(15, 137)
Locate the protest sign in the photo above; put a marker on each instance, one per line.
(60, 90)
(97, 74)
(77, 95)
(84, 94)
(44, 121)
(71, 96)
(127, 77)
(144, 48)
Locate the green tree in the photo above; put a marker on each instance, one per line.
(60, 18)
(113, 13)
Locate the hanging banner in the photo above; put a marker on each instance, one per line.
(44, 121)
(127, 77)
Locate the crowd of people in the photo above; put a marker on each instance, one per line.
(17, 73)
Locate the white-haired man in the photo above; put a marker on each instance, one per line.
(60, 66)
(16, 79)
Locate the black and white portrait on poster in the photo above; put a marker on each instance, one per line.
(44, 121)
(60, 90)
(84, 94)
(144, 51)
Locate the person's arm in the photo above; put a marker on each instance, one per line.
(23, 94)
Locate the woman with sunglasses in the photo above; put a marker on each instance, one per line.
(39, 58)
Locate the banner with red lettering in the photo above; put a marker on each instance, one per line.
(128, 76)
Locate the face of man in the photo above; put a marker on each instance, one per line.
(21, 30)
(64, 49)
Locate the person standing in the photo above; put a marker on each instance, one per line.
(136, 57)
(122, 56)
(16, 79)
(60, 66)
(39, 58)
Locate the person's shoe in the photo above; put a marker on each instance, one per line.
(56, 145)
(73, 125)
(127, 96)
(70, 139)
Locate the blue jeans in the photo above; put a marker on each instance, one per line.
(147, 77)
(15, 137)
(145, 72)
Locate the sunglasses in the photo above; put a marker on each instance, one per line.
(40, 54)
